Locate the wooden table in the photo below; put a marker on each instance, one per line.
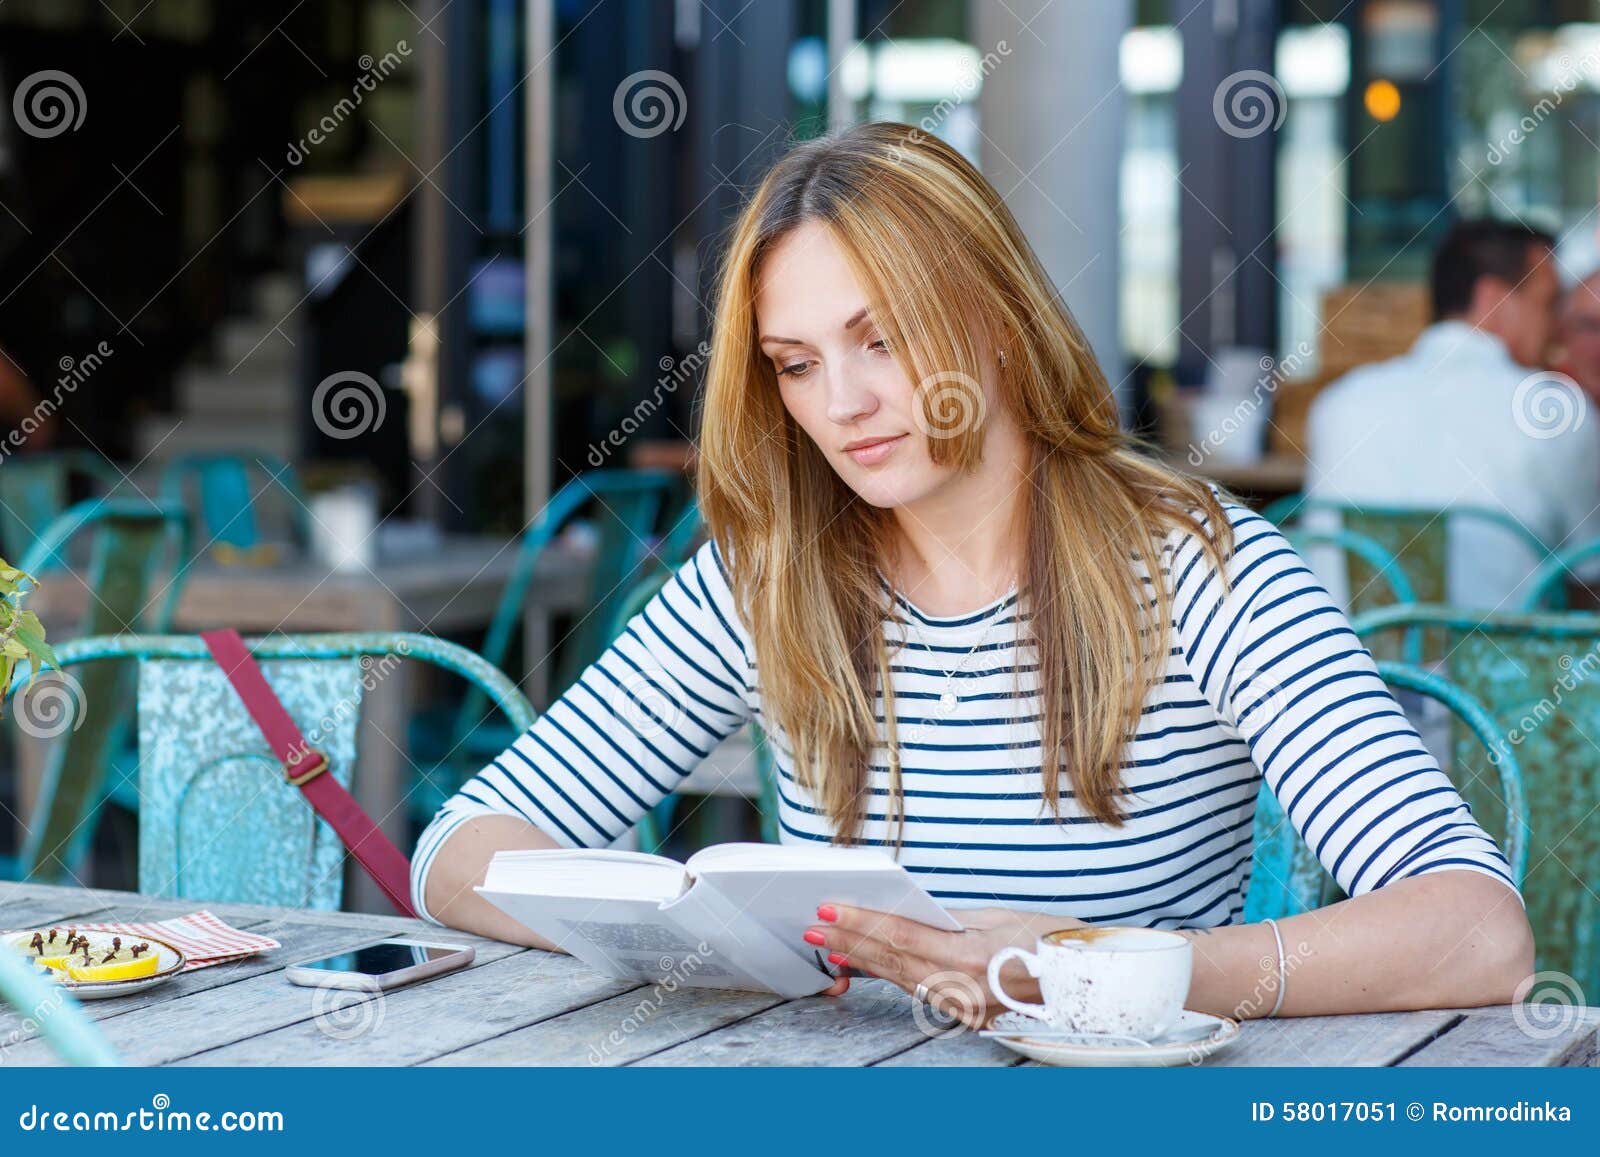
(453, 587)
(519, 1006)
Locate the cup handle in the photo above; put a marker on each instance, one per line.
(1029, 961)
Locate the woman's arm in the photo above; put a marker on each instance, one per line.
(666, 692)
(1455, 939)
(458, 867)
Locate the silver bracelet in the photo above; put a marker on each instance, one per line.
(1283, 978)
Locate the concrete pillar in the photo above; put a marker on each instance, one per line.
(1051, 111)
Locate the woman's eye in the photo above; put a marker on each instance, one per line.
(795, 370)
(879, 344)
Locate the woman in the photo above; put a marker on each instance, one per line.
(929, 580)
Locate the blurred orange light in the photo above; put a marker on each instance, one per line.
(1382, 99)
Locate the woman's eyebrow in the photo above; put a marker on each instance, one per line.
(854, 320)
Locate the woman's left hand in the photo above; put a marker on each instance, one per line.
(953, 965)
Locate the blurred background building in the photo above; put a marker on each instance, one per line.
(505, 213)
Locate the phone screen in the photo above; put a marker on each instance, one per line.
(377, 959)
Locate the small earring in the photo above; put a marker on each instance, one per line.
(1002, 359)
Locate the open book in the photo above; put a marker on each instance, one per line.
(732, 917)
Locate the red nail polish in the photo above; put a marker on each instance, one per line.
(827, 912)
(836, 958)
(814, 937)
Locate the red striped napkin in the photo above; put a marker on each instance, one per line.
(203, 939)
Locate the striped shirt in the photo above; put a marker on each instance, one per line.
(1265, 682)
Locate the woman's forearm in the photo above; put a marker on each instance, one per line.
(1455, 939)
(459, 866)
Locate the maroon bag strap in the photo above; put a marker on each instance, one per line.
(304, 766)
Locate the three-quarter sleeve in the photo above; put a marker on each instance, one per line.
(668, 690)
(1281, 667)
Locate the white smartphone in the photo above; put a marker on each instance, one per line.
(381, 966)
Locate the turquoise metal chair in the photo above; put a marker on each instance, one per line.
(138, 559)
(1286, 877)
(1418, 538)
(1382, 566)
(52, 1012)
(1549, 581)
(226, 492)
(218, 821)
(36, 489)
(624, 507)
(1539, 677)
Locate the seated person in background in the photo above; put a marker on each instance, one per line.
(1578, 338)
(1466, 417)
(982, 633)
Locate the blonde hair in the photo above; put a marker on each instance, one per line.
(948, 276)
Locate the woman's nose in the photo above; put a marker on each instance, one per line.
(849, 399)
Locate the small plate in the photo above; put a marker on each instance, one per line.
(1060, 1052)
(172, 962)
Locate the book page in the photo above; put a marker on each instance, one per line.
(747, 947)
(783, 885)
(622, 938)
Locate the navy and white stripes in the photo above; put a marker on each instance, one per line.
(1267, 682)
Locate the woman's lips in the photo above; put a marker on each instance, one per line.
(876, 452)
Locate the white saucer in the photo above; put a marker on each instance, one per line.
(1062, 1052)
(172, 962)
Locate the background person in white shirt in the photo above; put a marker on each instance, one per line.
(1467, 417)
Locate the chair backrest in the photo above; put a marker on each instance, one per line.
(1287, 878)
(1537, 676)
(135, 546)
(55, 1013)
(1548, 586)
(218, 821)
(627, 505)
(1418, 538)
(224, 491)
(36, 489)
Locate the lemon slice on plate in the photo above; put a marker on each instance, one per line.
(115, 970)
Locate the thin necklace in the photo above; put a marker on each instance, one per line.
(948, 699)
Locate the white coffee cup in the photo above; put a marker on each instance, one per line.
(1124, 981)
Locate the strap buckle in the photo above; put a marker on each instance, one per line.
(306, 768)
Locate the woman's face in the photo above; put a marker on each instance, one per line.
(838, 379)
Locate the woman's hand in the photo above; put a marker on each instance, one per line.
(953, 965)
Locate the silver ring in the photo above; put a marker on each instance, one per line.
(921, 994)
